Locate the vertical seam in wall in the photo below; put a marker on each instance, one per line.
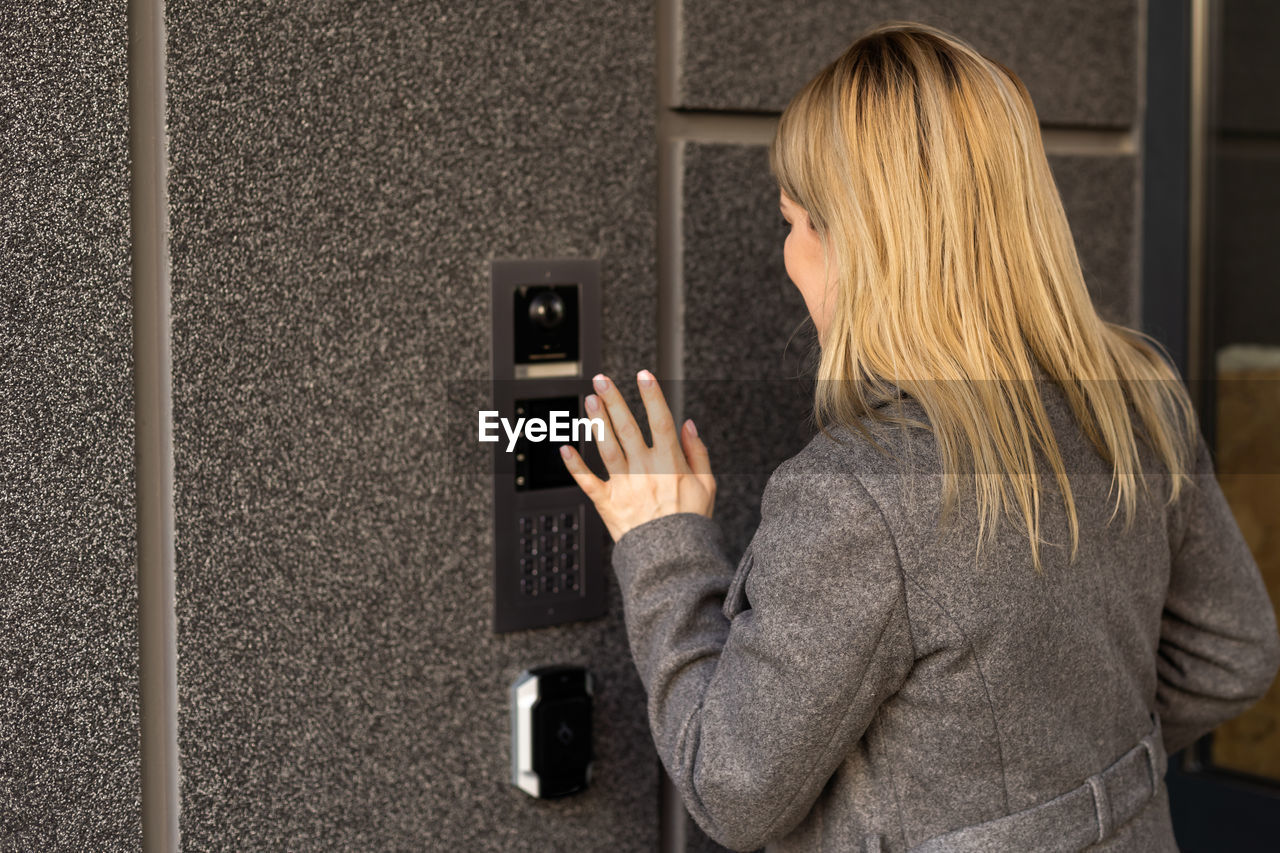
(671, 273)
(670, 320)
(670, 327)
(153, 420)
(1197, 119)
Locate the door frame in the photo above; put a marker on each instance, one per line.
(1214, 808)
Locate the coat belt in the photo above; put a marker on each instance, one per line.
(1072, 821)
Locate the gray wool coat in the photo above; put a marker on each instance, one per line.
(860, 682)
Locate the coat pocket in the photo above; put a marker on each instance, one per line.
(735, 600)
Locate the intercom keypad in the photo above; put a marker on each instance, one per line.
(549, 554)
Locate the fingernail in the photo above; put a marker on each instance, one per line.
(564, 451)
(693, 430)
(645, 377)
(593, 403)
(601, 383)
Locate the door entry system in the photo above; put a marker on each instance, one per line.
(551, 749)
(548, 542)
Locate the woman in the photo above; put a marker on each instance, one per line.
(889, 668)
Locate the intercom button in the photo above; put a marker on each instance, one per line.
(546, 542)
(529, 586)
(566, 562)
(526, 525)
(526, 545)
(545, 561)
(568, 521)
(568, 541)
(546, 523)
(571, 582)
(528, 565)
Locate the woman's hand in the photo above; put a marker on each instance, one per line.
(644, 482)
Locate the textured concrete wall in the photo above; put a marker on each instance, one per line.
(340, 178)
(749, 345)
(1079, 58)
(69, 764)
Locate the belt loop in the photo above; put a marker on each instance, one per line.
(1153, 764)
(1101, 806)
(1157, 742)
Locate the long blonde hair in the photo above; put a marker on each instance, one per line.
(919, 162)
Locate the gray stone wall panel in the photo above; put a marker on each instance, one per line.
(1078, 58)
(341, 177)
(69, 719)
(1100, 194)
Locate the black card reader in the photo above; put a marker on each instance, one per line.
(551, 730)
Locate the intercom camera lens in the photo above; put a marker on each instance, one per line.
(547, 309)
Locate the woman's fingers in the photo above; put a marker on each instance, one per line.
(699, 459)
(592, 486)
(624, 426)
(610, 453)
(661, 425)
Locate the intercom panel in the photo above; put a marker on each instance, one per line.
(548, 543)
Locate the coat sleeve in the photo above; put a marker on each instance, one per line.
(752, 714)
(1219, 648)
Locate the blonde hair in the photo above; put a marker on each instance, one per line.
(919, 162)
